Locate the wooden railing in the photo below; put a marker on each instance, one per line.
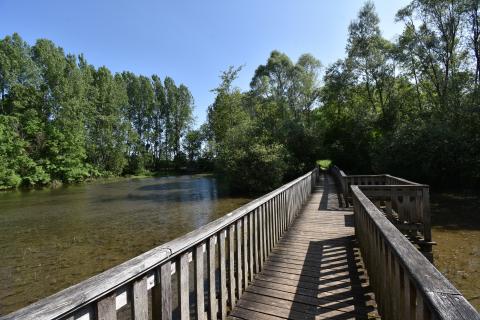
(408, 208)
(201, 274)
(405, 203)
(405, 283)
(340, 180)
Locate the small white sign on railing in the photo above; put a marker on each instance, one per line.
(121, 299)
(85, 316)
(150, 281)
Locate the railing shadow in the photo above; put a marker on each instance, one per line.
(332, 283)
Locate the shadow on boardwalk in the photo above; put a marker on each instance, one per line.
(315, 271)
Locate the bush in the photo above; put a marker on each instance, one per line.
(248, 163)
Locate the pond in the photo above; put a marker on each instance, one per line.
(53, 238)
(456, 230)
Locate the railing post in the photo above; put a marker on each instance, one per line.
(199, 280)
(427, 225)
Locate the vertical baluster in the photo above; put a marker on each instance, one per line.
(285, 210)
(166, 290)
(199, 282)
(272, 224)
(419, 306)
(277, 217)
(408, 205)
(239, 258)
(268, 225)
(282, 212)
(183, 286)
(288, 203)
(280, 216)
(157, 297)
(418, 206)
(275, 220)
(388, 206)
(140, 299)
(256, 239)
(262, 236)
(231, 262)
(294, 203)
(292, 206)
(396, 288)
(251, 245)
(211, 278)
(106, 308)
(405, 293)
(245, 251)
(388, 282)
(223, 276)
(412, 299)
(427, 231)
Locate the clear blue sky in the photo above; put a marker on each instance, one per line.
(191, 41)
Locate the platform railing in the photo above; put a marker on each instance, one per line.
(405, 203)
(405, 283)
(200, 275)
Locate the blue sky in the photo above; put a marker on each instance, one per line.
(191, 41)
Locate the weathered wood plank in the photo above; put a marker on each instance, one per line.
(157, 297)
(199, 281)
(239, 259)
(256, 240)
(106, 309)
(183, 286)
(166, 290)
(251, 246)
(245, 252)
(140, 299)
(422, 276)
(223, 275)
(307, 276)
(231, 263)
(212, 298)
(261, 226)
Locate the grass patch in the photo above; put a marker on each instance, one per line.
(324, 164)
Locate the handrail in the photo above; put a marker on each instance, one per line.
(264, 221)
(339, 178)
(405, 283)
(405, 203)
(397, 180)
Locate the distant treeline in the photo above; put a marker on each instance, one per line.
(63, 119)
(410, 107)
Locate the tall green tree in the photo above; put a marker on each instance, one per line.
(63, 105)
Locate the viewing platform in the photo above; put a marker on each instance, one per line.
(323, 246)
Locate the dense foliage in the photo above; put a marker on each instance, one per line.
(272, 132)
(409, 107)
(62, 119)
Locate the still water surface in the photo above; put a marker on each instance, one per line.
(51, 239)
(456, 230)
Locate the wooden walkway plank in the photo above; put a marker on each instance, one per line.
(314, 271)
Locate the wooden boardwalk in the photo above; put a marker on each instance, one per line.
(315, 271)
(293, 253)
